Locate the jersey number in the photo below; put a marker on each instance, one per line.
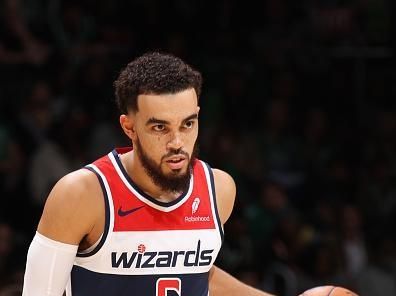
(164, 285)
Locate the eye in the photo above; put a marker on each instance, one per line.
(189, 124)
(158, 127)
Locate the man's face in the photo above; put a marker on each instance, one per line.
(166, 129)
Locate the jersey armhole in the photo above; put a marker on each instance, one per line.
(99, 244)
(212, 194)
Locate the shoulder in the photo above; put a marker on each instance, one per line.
(72, 207)
(225, 193)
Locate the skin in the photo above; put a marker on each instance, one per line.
(163, 122)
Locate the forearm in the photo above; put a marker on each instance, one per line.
(222, 283)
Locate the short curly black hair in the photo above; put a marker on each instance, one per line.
(154, 73)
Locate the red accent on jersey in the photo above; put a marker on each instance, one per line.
(168, 284)
(133, 214)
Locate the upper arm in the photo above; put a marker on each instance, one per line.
(70, 211)
(225, 193)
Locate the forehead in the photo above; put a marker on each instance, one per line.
(170, 107)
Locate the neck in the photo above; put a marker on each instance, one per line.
(139, 176)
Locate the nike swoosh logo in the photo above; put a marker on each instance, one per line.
(122, 213)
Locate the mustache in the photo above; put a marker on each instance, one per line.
(175, 152)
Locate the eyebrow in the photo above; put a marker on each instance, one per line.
(154, 120)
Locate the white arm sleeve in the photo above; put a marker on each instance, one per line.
(48, 267)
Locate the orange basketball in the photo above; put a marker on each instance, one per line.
(328, 291)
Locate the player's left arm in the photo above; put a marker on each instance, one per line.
(220, 282)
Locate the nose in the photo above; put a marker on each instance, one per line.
(175, 142)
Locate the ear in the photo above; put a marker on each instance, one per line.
(127, 123)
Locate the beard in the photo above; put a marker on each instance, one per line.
(175, 181)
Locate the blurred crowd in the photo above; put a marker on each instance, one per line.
(298, 105)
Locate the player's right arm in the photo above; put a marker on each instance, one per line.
(69, 216)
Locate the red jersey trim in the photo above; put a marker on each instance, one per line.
(126, 179)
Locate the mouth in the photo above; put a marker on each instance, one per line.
(176, 162)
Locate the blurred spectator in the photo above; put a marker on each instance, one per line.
(35, 116)
(318, 142)
(264, 215)
(353, 241)
(377, 178)
(280, 148)
(76, 34)
(26, 46)
(47, 166)
(321, 263)
(237, 253)
(279, 275)
(378, 277)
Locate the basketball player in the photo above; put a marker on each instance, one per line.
(143, 221)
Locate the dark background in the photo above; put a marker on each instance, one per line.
(298, 105)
